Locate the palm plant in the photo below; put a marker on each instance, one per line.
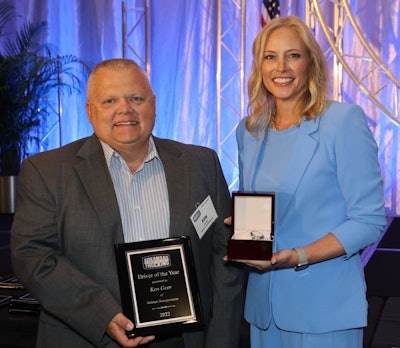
(30, 71)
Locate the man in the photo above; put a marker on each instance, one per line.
(120, 185)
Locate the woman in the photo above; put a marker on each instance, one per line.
(320, 159)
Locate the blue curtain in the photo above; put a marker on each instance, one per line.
(183, 47)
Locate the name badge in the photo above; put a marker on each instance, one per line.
(204, 216)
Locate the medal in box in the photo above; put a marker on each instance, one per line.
(252, 226)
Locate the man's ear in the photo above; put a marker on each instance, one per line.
(88, 111)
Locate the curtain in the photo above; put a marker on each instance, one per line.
(183, 49)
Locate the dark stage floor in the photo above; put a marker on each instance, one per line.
(383, 291)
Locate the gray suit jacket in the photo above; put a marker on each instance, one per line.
(67, 222)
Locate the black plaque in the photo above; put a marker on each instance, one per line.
(158, 284)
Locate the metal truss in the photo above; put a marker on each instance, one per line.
(230, 83)
(135, 23)
(51, 124)
(375, 68)
(375, 81)
(50, 130)
(230, 68)
(136, 32)
(229, 61)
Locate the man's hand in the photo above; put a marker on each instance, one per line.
(116, 330)
(228, 220)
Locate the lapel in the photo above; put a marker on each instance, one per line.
(95, 177)
(177, 174)
(304, 150)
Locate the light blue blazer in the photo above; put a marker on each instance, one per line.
(332, 184)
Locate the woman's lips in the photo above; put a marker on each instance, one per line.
(283, 79)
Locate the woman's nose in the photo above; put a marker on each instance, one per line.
(281, 64)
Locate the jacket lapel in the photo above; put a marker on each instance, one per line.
(95, 177)
(304, 150)
(177, 175)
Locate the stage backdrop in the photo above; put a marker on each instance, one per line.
(183, 65)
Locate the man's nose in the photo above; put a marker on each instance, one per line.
(125, 105)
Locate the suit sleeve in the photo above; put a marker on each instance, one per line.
(37, 256)
(224, 328)
(360, 180)
(239, 139)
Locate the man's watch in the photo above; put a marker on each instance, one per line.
(303, 261)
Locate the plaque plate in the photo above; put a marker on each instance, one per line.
(158, 285)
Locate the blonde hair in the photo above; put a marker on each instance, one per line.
(261, 103)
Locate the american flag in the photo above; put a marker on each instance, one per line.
(269, 10)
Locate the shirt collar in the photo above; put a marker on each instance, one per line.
(109, 152)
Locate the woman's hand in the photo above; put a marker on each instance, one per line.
(281, 259)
